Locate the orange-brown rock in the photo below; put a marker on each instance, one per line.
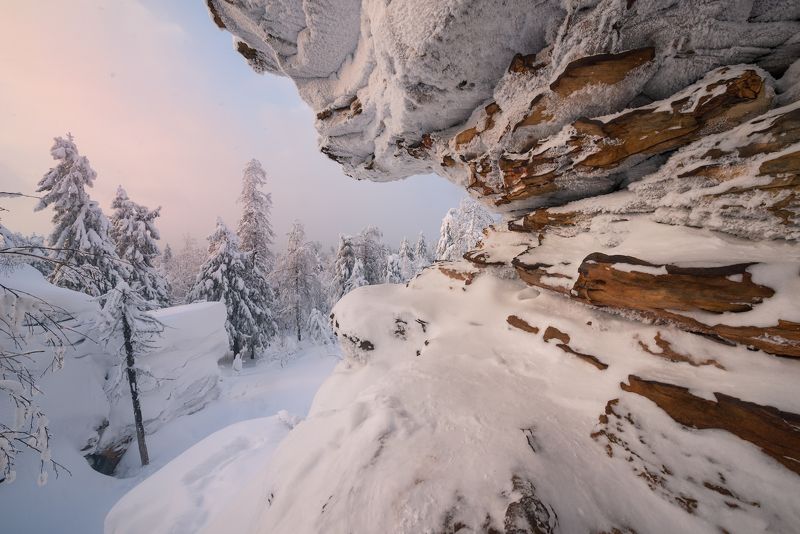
(525, 64)
(714, 289)
(554, 333)
(601, 69)
(542, 219)
(348, 111)
(469, 134)
(462, 276)
(522, 324)
(537, 274)
(663, 296)
(775, 432)
(668, 353)
(606, 69)
(601, 144)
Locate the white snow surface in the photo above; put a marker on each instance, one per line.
(439, 403)
(193, 397)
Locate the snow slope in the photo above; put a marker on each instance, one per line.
(444, 414)
(192, 399)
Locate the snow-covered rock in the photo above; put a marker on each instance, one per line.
(410, 87)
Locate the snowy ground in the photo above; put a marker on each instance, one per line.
(75, 403)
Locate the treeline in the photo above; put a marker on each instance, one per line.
(268, 295)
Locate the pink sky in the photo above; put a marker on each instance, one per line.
(160, 103)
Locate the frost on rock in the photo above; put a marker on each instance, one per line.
(446, 87)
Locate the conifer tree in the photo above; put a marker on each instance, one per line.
(254, 229)
(124, 316)
(343, 267)
(372, 253)
(394, 273)
(227, 276)
(135, 234)
(422, 256)
(406, 259)
(296, 281)
(82, 250)
(182, 271)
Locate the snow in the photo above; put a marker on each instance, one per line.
(396, 437)
(196, 396)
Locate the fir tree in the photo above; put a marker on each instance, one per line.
(228, 276)
(406, 259)
(82, 250)
(255, 230)
(357, 277)
(372, 253)
(296, 281)
(422, 256)
(319, 328)
(182, 271)
(124, 315)
(135, 234)
(394, 272)
(343, 267)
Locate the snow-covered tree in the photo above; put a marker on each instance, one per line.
(394, 272)
(29, 249)
(124, 319)
(82, 250)
(135, 234)
(422, 256)
(30, 328)
(357, 277)
(405, 256)
(372, 253)
(461, 229)
(228, 276)
(182, 271)
(319, 328)
(255, 230)
(296, 282)
(343, 267)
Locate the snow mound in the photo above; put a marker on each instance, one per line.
(215, 486)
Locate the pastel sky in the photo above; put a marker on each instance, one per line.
(159, 102)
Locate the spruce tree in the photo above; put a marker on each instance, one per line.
(394, 273)
(343, 267)
(182, 271)
(82, 250)
(125, 316)
(227, 276)
(296, 281)
(406, 259)
(135, 234)
(357, 277)
(422, 256)
(254, 229)
(372, 253)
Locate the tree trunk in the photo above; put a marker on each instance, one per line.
(297, 301)
(137, 409)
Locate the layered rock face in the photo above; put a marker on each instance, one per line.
(623, 355)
